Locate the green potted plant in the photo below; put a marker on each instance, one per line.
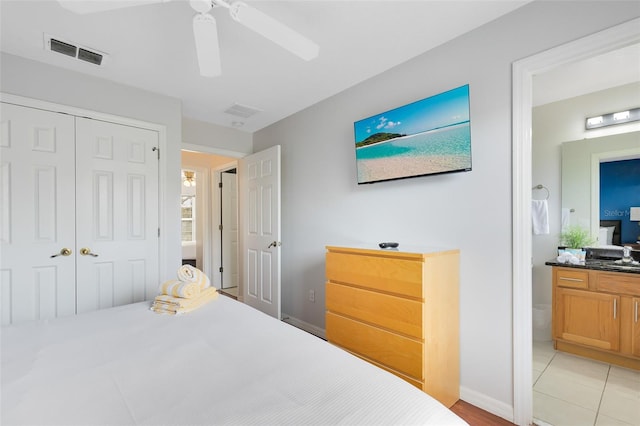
(574, 239)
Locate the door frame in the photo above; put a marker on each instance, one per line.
(116, 119)
(523, 72)
(213, 258)
(218, 219)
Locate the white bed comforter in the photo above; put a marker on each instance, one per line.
(225, 363)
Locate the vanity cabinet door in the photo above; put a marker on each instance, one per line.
(587, 318)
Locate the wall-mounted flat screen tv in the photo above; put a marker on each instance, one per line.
(427, 137)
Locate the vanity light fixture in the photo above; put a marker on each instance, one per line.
(613, 118)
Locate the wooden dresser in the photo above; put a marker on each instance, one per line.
(398, 310)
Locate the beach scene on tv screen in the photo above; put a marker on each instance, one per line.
(429, 136)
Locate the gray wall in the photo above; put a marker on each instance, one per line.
(322, 204)
(211, 137)
(37, 80)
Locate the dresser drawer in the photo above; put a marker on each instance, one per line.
(392, 275)
(390, 312)
(573, 278)
(391, 350)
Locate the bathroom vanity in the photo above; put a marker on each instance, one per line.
(595, 310)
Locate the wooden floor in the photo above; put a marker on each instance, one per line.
(476, 416)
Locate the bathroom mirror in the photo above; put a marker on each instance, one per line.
(581, 179)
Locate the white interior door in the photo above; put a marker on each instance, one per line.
(37, 214)
(229, 213)
(117, 214)
(259, 178)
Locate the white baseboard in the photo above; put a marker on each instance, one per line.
(303, 325)
(486, 403)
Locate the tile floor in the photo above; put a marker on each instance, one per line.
(569, 390)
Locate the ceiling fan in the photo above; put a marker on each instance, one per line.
(205, 30)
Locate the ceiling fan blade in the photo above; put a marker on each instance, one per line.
(275, 31)
(205, 33)
(83, 7)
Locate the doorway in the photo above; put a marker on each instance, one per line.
(523, 73)
(202, 209)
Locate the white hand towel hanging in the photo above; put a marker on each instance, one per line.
(540, 216)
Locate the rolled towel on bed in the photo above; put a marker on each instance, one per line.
(164, 304)
(178, 288)
(190, 274)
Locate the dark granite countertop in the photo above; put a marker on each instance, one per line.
(601, 265)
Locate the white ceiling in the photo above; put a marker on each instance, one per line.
(611, 69)
(151, 47)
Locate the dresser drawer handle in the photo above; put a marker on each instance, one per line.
(571, 279)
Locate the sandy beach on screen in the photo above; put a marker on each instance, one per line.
(395, 167)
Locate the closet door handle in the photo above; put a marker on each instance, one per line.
(63, 252)
(85, 251)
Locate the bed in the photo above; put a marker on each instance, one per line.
(611, 235)
(225, 363)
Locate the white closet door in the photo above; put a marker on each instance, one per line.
(37, 214)
(117, 214)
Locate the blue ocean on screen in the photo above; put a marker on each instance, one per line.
(450, 141)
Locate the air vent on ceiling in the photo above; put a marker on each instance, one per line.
(73, 50)
(242, 111)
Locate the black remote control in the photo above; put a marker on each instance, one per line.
(388, 245)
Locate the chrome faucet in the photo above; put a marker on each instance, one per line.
(626, 254)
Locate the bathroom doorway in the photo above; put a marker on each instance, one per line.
(523, 74)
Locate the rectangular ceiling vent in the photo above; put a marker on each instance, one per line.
(82, 53)
(242, 111)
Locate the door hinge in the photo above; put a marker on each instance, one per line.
(220, 227)
(156, 149)
(158, 232)
(221, 269)
(219, 184)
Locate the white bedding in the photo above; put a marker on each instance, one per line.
(225, 363)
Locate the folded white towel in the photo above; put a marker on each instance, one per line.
(540, 216)
(569, 258)
(191, 274)
(178, 288)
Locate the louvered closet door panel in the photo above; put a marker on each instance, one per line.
(117, 214)
(37, 214)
